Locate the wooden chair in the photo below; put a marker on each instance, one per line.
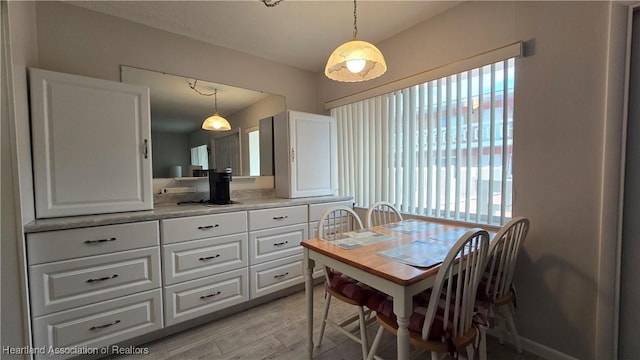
(496, 293)
(337, 220)
(382, 213)
(442, 318)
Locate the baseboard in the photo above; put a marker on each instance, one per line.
(537, 348)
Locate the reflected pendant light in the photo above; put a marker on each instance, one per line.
(355, 60)
(216, 122)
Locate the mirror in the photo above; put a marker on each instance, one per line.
(179, 145)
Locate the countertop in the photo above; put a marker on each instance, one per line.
(171, 211)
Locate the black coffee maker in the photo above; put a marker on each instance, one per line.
(219, 187)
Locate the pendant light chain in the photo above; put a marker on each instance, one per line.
(355, 18)
(271, 3)
(193, 86)
(215, 98)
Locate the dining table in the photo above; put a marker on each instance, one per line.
(399, 259)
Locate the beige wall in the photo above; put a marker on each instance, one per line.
(18, 26)
(566, 175)
(83, 42)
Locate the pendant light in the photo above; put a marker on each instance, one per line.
(355, 60)
(216, 122)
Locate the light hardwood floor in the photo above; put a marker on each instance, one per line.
(276, 330)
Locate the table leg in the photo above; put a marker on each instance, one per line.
(402, 308)
(308, 286)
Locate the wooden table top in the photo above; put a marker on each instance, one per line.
(367, 258)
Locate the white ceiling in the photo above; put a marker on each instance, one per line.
(300, 33)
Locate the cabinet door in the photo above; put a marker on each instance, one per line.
(91, 145)
(311, 156)
(98, 325)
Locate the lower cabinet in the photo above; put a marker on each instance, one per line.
(272, 276)
(191, 299)
(94, 287)
(205, 262)
(99, 287)
(274, 246)
(67, 284)
(96, 326)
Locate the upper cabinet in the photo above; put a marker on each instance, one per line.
(91, 145)
(305, 154)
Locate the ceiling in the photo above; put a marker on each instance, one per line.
(300, 33)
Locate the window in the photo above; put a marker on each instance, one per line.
(437, 149)
(254, 151)
(200, 156)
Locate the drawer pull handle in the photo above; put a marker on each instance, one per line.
(281, 243)
(103, 279)
(203, 297)
(280, 276)
(209, 257)
(208, 227)
(279, 217)
(98, 327)
(99, 241)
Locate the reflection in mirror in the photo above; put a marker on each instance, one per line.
(179, 145)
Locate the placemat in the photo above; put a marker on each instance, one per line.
(425, 253)
(412, 226)
(421, 253)
(356, 239)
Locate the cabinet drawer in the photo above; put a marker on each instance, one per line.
(269, 218)
(195, 298)
(70, 283)
(316, 210)
(68, 244)
(193, 259)
(272, 244)
(201, 227)
(100, 324)
(276, 275)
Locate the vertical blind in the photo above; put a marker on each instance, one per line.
(442, 148)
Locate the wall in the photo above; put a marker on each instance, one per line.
(566, 154)
(630, 291)
(19, 31)
(83, 42)
(170, 149)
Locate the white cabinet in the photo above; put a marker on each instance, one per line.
(102, 285)
(191, 299)
(205, 264)
(98, 325)
(91, 145)
(94, 286)
(305, 154)
(275, 252)
(66, 284)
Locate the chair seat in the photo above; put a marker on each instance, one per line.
(382, 304)
(439, 340)
(348, 289)
(485, 291)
